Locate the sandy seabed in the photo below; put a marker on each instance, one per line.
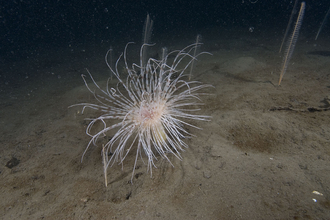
(262, 155)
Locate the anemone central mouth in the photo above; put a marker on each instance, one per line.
(150, 113)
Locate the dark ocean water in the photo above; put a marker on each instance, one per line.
(26, 26)
(36, 35)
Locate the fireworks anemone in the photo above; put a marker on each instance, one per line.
(147, 111)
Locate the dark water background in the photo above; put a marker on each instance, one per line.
(28, 27)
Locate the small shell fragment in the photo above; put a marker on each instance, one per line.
(317, 193)
(314, 200)
(84, 199)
